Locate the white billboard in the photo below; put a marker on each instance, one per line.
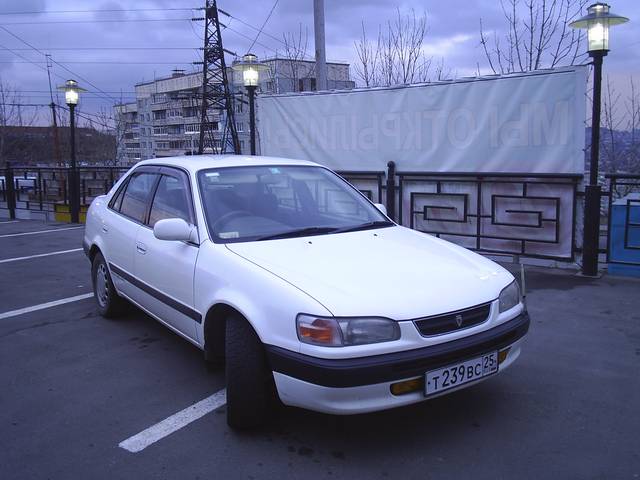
(519, 123)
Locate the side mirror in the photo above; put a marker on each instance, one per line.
(174, 229)
(381, 207)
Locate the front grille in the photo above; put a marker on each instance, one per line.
(452, 321)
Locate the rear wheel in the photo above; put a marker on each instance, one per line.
(110, 304)
(251, 391)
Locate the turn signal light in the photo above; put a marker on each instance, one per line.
(502, 355)
(320, 331)
(407, 386)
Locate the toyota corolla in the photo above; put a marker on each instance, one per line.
(304, 289)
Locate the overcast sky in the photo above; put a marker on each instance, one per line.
(453, 35)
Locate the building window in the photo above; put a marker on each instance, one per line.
(190, 111)
(160, 115)
(159, 98)
(192, 128)
(239, 126)
(159, 130)
(238, 107)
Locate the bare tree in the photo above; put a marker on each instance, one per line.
(367, 67)
(397, 56)
(294, 67)
(407, 35)
(633, 125)
(536, 36)
(619, 143)
(10, 113)
(611, 123)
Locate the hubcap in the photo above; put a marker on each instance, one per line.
(102, 285)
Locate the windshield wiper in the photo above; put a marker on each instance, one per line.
(299, 232)
(365, 226)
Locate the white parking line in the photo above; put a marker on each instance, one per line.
(39, 231)
(60, 252)
(42, 306)
(175, 422)
(10, 221)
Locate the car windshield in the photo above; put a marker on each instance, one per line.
(282, 201)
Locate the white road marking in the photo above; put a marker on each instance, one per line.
(60, 252)
(10, 221)
(175, 422)
(42, 306)
(39, 231)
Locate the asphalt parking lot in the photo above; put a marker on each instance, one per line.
(74, 386)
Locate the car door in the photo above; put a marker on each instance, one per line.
(165, 267)
(121, 222)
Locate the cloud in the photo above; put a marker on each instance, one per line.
(453, 34)
(442, 47)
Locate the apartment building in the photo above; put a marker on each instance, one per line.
(165, 118)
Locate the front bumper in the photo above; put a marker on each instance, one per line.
(357, 385)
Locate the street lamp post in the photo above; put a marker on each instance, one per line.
(250, 68)
(72, 95)
(597, 23)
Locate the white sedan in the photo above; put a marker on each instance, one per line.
(304, 288)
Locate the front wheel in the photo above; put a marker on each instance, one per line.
(251, 390)
(110, 304)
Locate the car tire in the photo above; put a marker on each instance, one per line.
(251, 392)
(110, 304)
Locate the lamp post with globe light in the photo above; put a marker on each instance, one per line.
(72, 96)
(250, 68)
(597, 22)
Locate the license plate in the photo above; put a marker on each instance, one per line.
(452, 376)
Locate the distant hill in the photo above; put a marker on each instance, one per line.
(34, 145)
(619, 151)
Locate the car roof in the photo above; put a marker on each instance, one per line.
(194, 163)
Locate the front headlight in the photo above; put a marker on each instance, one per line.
(509, 296)
(340, 332)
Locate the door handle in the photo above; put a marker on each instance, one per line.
(141, 248)
(105, 229)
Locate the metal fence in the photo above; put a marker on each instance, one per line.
(537, 216)
(43, 192)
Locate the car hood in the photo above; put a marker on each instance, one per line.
(392, 272)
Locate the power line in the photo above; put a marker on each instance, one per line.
(118, 92)
(103, 48)
(27, 60)
(247, 24)
(123, 20)
(57, 63)
(264, 23)
(106, 10)
(26, 104)
(252, 40)
(99, 119)
(104, 62)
